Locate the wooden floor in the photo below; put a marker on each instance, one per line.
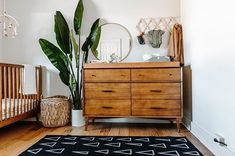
(16, 138)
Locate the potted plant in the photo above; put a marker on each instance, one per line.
(68, 52)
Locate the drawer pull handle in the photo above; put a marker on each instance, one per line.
(156, 108)
(107, 91)
(93, 75)
(156, 91)
(105, 107)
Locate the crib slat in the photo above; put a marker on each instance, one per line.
(1, 93)
(17, 91)
(24, 104)
(14, 90)
(21, 92)
(9, 90)
(34, 101)
(31, 103)
(5, 91)
(28, 103)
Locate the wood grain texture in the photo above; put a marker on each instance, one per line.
(18, 137)
(155, 90)
(108, 107)
(107, 90)
(156, 108)
(132, 65)
(107, 75)
(156, 75)
(1, 90)
(143, 82)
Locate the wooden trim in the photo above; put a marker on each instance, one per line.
(9, 90)
(137, 65)
(17, 88)
(14, 89)
(128, 116)
(17, 118)
(5, 90)
(15, 65)
(1, 76)
(11, 65)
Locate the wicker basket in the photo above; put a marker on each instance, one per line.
(55, 111)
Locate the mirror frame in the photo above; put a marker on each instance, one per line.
(131, 40)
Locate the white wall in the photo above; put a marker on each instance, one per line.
(36, 20)
(1, 41)
(1, 51)
(209, 48)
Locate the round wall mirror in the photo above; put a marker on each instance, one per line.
(115, 43)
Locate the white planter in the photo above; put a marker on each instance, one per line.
(77, 118)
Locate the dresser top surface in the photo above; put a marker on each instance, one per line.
(132, 65)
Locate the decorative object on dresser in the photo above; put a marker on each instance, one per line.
(148, 90)
(115, 43)
(69, 49)
(55, 111)
(18, 99)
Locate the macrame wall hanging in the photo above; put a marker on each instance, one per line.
(163, 23)
(156, 28)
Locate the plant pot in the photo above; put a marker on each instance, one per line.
(77, 118)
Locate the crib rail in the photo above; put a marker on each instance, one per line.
(12, 102)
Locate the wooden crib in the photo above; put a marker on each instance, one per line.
(15, 106)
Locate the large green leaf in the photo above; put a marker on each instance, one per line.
(78, 15)
(75, 48)
(95, 41)
(86, 44)
(95, 25)
(57, 58)
(92, 40)
(64, 78)
(62, 33)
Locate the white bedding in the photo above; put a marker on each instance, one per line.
(17, 104)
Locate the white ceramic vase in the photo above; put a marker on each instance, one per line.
(77, 118)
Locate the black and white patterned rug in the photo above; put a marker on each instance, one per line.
(114, 146)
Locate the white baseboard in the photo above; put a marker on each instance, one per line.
(208, 140)
(187, 122)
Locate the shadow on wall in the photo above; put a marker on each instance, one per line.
(187, 93)
(91, 13)
(52, 84)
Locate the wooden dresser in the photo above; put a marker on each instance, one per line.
(145, 90)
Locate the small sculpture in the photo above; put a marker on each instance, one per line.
(114, 58)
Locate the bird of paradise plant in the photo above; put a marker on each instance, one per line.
(69, 50)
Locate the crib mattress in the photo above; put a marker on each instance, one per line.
(13, 103)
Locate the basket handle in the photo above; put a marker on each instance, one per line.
(57, 96)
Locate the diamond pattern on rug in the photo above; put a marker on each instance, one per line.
(112, 146)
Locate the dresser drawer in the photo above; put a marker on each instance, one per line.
(151, 75)
(108, 107)
(107, 90)
(156, 90)
(156, 108)
(107, 75)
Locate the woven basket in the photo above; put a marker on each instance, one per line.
(55, 111)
